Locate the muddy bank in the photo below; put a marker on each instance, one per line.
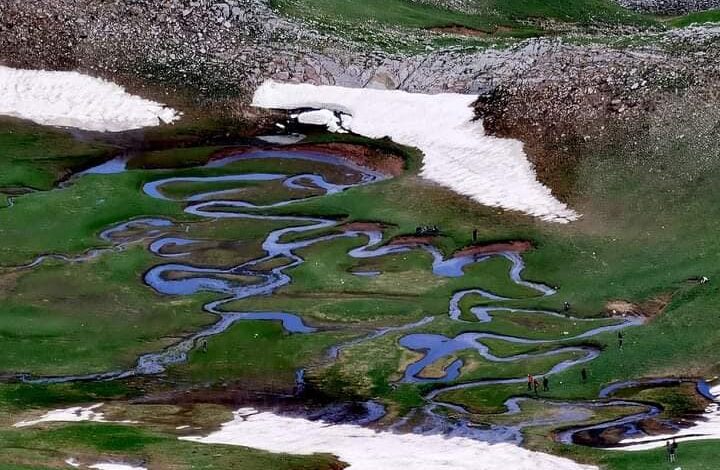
(364, 156)
(412, 240)
(682, 405)
(460, 31)
(311, 403)
(362, 227)
(516, 246)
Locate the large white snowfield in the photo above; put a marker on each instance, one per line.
(72, 99)
(457, 152)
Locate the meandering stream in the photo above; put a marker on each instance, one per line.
(177, 278)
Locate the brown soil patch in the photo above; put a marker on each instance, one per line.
(460, 31)
(438, 369)
(611, 435)
(362, 227)
(362, 155)
(232, 397)
(16, 191)
(654, 427)
(517, 246)
(648, 309)
(8, 281)
(412, 240)
(366, 157)
(622, 307)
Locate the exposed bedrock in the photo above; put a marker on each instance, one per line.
(669, 7)
(225, 49)
(563, 100)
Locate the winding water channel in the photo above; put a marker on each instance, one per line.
(178, 278)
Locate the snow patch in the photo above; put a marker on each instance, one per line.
(71, 99)
(71, 415)
(285, 139)
(365, 449)
(321, 117)
(74, 414)
(457, 153)
(115, 466)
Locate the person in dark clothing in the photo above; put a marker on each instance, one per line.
(673, 451)
(536, 384)
(583, 375)
(203, 345)
(621, 338)
(475, 232)
(530, 382)
(566, 305)
(546, 384)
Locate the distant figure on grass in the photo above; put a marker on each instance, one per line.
(203, 345)
(672, 450)
(566, 306)
(546, 384)
(536, 384)
(621, 337)
(475, 232)
(583, 375)
(531, 379)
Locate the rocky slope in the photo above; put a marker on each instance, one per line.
(669, 7)
(561, 96)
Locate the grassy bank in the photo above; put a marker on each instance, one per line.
(37, 157)
(502, 18)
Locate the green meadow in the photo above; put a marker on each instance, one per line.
(642, 237)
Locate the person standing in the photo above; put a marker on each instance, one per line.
(621, 337)
(475, 233)
(673, 451)
(546, 384)
(583, 375)
(566, 306)
(536, 384)
(530, 381)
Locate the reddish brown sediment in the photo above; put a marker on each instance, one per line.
(366, 157)
(648, 309)
(460, 31)
(362, 227)
(516, 246)
(412, 240)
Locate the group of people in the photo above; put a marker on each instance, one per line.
(534, 384)
(427, 230)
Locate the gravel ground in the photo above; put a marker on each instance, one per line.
(555, 94)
